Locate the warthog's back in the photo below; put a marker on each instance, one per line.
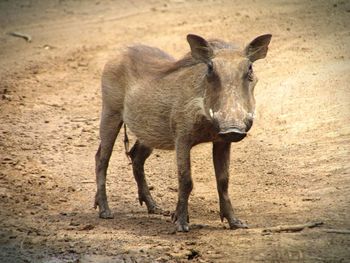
(134, 82)
(130, 66)
(147, 62)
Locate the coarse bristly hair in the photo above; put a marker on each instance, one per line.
(153, 61)
(188, 60)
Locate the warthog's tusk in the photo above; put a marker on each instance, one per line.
(251, 115)
(211, 113)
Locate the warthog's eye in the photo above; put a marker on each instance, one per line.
(210, 72)
(250, 74)
(210, 68)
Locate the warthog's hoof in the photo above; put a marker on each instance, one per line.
(236, 224)
(182, 227)
(106, 214)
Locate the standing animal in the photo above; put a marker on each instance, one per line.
(207, 96)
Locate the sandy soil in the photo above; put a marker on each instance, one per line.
(294, 167)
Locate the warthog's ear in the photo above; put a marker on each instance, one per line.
(200, 48)
(257, 49)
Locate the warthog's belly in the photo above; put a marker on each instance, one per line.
(153, 136)
(149, 121)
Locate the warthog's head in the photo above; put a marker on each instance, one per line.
(229, 83)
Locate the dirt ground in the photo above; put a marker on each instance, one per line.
(293, 168)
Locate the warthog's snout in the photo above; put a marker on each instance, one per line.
(232, 134)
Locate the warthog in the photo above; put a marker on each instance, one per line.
(207, 96)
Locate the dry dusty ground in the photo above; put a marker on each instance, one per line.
(293, 168)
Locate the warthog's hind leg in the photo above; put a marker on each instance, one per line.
(221, 157)
(109, 129)
(138, 154)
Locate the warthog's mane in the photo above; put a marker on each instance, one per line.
(155, 63)
(188, 60)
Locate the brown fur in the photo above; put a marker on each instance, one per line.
(205, 96)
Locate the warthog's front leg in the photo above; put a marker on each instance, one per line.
(139, 153)
(180, 216)
(221, 157)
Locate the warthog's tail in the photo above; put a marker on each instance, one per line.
(126, 143)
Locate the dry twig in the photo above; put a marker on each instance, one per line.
(290, 228)
(27, 37)
(337, 231)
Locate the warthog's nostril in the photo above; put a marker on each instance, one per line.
(232, 134)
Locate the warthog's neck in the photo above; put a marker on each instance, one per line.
(190, 116)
